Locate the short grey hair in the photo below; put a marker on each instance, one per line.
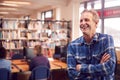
(94, 13)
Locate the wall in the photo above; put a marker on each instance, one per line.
(66, 12)
(34, 15)
(71, 12)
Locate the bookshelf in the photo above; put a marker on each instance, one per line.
(16, 34)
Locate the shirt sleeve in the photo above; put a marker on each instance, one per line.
(10, 65)
(71, 62)
(48, 64)
(105, 68)
(31, 65)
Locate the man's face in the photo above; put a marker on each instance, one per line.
(87, 25)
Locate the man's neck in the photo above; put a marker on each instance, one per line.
(88, 38)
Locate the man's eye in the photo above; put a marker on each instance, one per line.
(86, 20)
(81, 20)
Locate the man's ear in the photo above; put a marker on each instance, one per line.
(96, 22)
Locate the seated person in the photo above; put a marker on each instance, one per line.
(49, 53)
(39, 59)
(4, 63)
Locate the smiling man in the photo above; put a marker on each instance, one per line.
(92, 56)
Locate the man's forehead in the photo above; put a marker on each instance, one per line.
(86, 15)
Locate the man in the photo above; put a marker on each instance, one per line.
(92, 56)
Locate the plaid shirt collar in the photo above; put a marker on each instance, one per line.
(94, 40)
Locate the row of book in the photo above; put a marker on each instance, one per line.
(33, 35)
(18, 35)
(15, 24)
(19, 44)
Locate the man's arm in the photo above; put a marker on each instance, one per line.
(105, 58)
(71, 62)
(106, 65)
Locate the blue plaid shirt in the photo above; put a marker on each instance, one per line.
(89, 56)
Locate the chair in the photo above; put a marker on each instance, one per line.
(4, 74)
(40, 73)
(59, 74)
(57, 54)
(17, 56)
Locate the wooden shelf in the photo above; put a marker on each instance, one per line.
(4, 29)
(14, 48)
(25, 39)
(5, 39)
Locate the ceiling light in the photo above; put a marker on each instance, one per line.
(5, 8)
(6, 4)
(17, 2)
(4, 12)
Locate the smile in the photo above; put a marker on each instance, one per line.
(84, 27)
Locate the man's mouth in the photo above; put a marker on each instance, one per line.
(84, 27)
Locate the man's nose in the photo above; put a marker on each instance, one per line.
(83, 22)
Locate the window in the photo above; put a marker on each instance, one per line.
(89, 5)
(112, 3)
(97, 4)
(112, 28)
(47, 15)
(81, 8)
(43, 16)
(99, 27)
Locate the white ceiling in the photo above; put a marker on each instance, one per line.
(27, 9)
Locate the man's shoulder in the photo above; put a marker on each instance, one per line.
(104, 36)
(101, 34)
(77, 41)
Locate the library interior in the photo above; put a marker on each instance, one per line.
(40, 32)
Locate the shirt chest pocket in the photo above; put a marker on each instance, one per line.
(87, 59)
(81, 59)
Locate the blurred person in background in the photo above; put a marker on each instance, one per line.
(40, 59)
(4, 63)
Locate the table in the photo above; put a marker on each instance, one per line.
(23, 65)
(19, 62)
(22, 71)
